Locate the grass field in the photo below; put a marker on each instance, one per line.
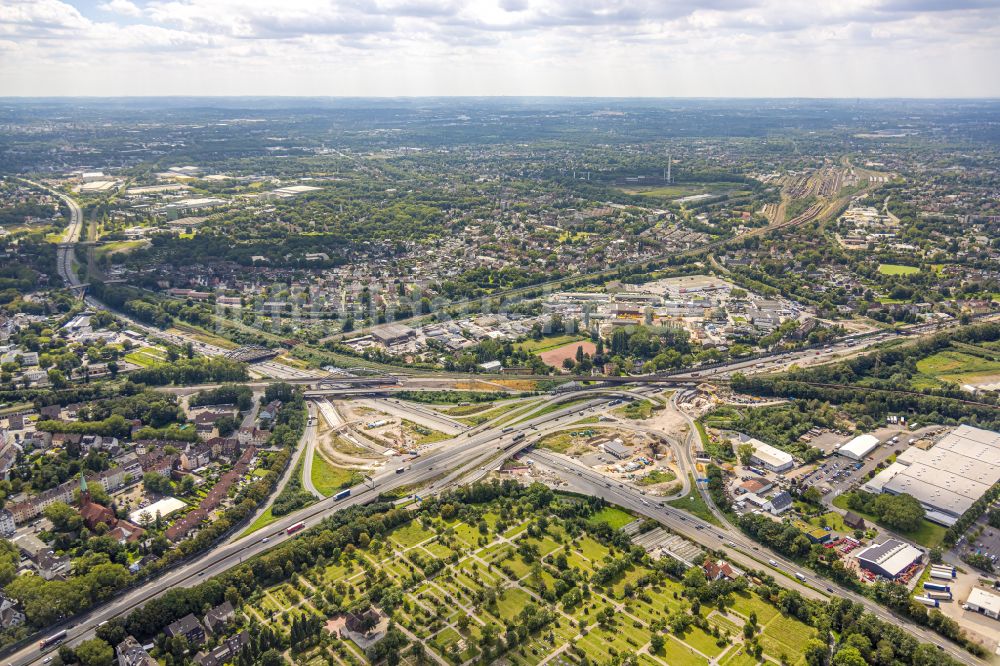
(958, 367)
(465, 410)
(831, 519)
(657, 476)
(424, 435)
(557, 441)
(329, 478)
(897, 269)
(616, 518)
(202, 336)
(545, 344)
(119, 247)
(638, 410)
(476, 418)
(678, 190)
(523, 408)
(146, 357)
(263, 520)
(695, 504)
(411, 535)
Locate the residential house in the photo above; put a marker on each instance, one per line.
(219, 617)
(717, 570)
(10, 615)
(781, 503)
(252, 436)
(131, 653)
(189, 627)
(225, 652)
(7, 525)
(854, 521)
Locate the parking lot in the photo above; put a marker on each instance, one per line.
(840, 474)
(987, 543)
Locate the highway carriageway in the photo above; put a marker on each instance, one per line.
(465, 454)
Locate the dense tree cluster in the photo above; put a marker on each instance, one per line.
(240, 395)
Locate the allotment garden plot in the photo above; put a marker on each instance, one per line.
(499, 583)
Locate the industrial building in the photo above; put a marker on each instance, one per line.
(767, 456)
(859, 447)
(946, 478)
(617, 449)
(393, 334)
(890, 558)
(985, 602)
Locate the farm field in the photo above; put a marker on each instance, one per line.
(496, 583)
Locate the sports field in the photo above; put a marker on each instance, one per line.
(897, 269)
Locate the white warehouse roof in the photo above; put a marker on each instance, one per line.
(891, 556)
(859, 447)
(985, 600)
(165, 507)
(947, 478)
(769, 454)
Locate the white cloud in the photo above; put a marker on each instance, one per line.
(123, 7)
(570, 47)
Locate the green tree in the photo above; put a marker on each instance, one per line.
(901, 512)
(64, 517)
(95, 652)
(849, 656)
(812, 495)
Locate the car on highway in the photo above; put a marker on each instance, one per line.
(265, 539)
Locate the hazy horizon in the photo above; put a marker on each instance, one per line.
(747, 49)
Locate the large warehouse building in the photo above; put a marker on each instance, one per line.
(946, 478)
(859, 447)
(889, 559)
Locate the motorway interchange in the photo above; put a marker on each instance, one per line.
(471, 456)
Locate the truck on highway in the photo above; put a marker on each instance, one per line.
(342, 494)
(772, 563)
(800, 576)
(400, 470)
(518, 437)
(55, 638)
(295, 528)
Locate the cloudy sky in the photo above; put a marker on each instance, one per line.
(739, 48)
